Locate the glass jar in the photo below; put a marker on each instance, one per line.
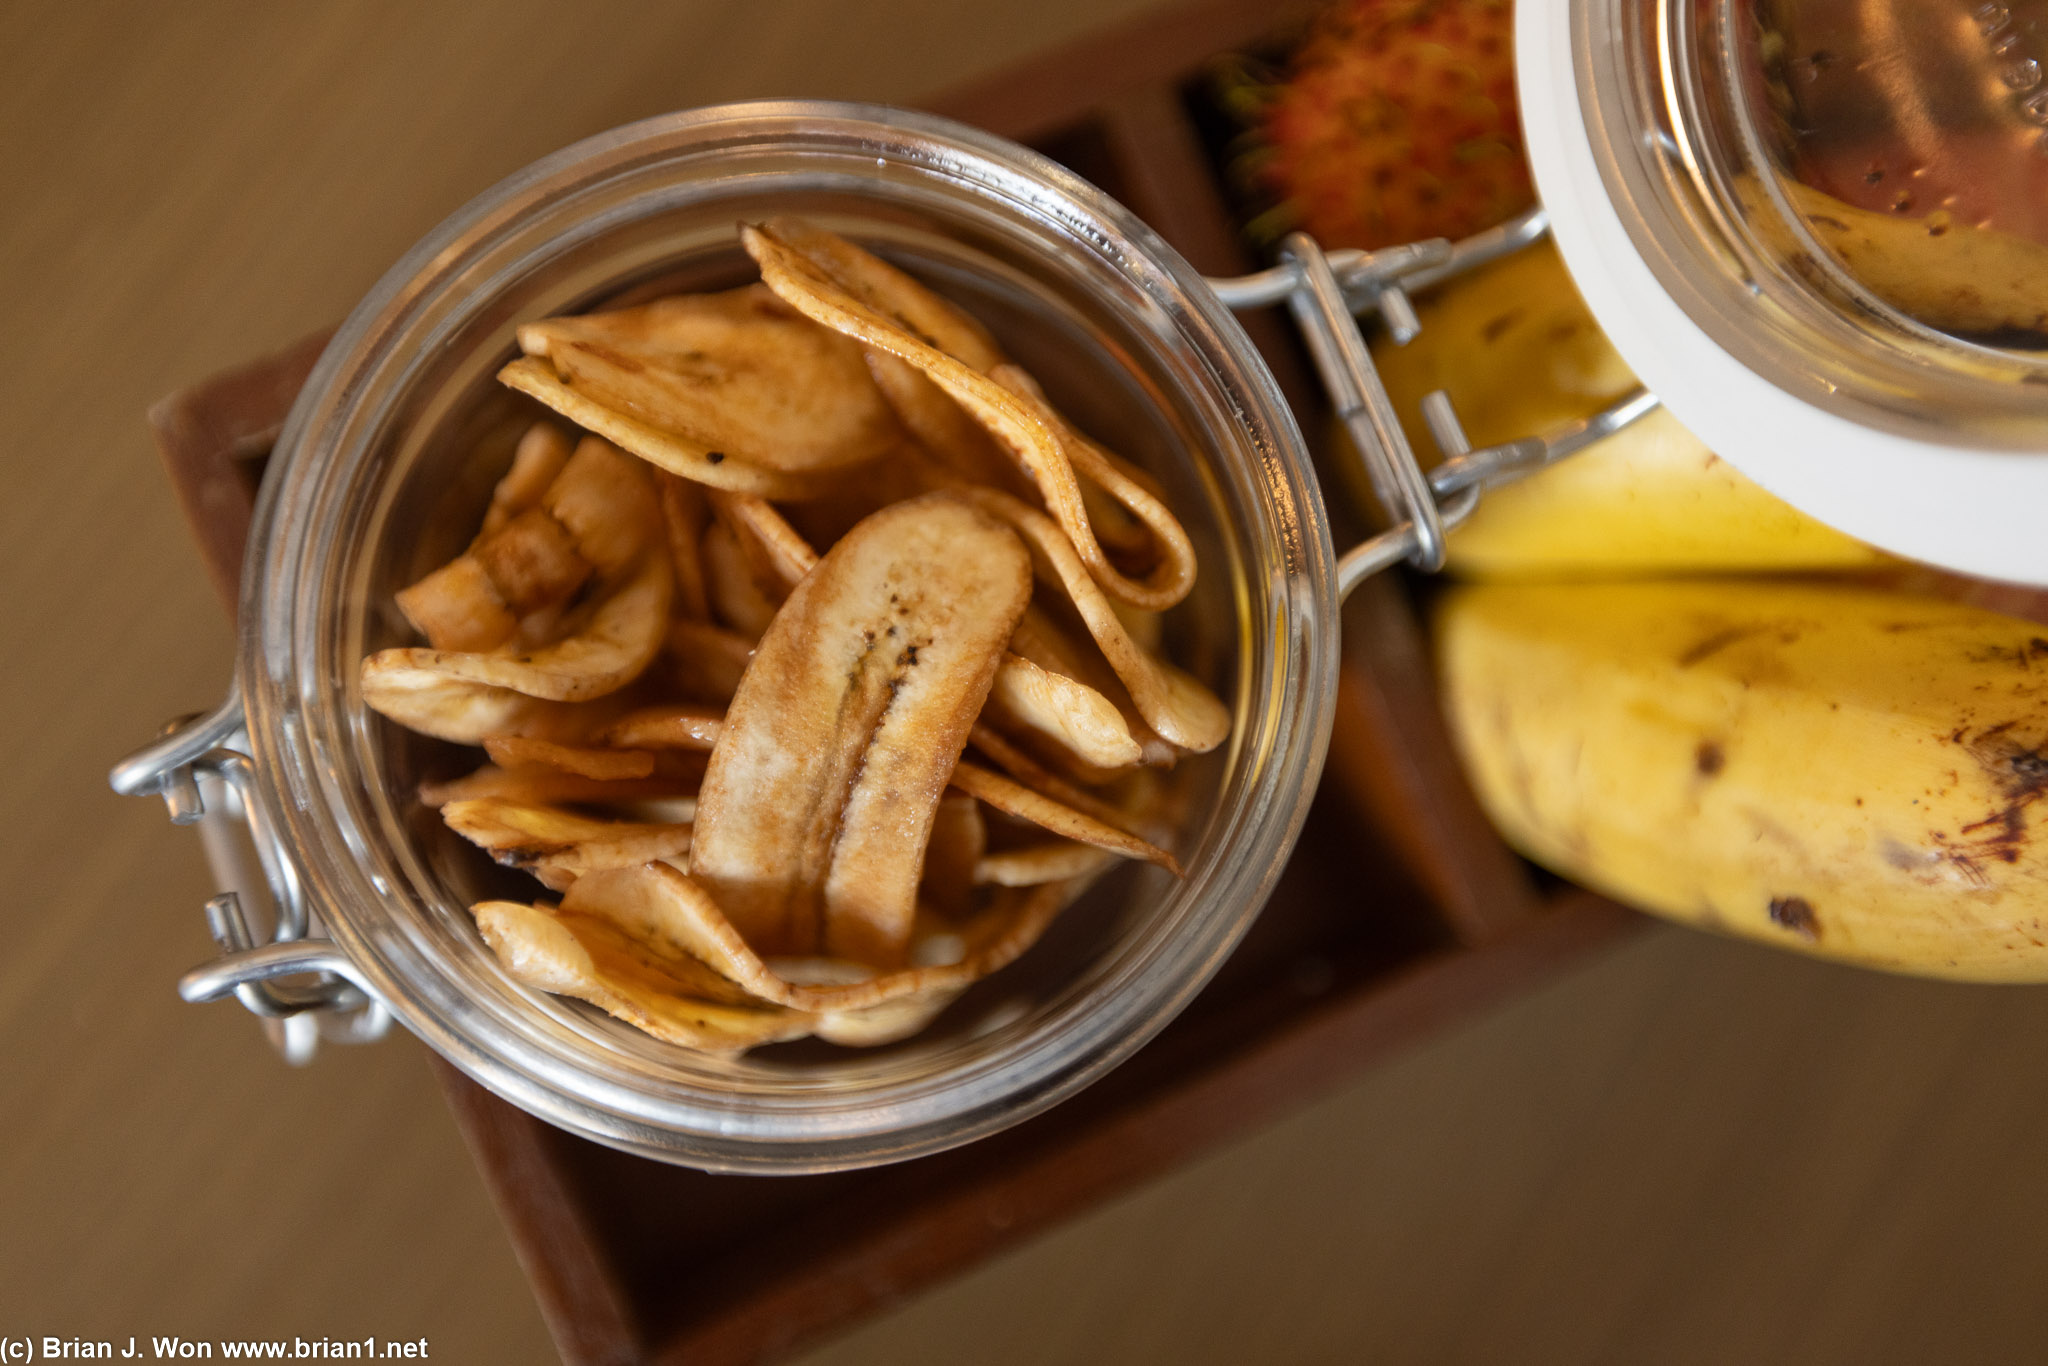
(1818, 231)
(389, 455)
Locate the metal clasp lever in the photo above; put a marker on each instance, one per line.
(205, 781)
(1324, 292)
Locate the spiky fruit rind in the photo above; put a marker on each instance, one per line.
(1397, 122)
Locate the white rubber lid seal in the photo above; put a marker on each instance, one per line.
(1981, 512)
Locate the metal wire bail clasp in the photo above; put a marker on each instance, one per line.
(201, 770)
(1325, 292)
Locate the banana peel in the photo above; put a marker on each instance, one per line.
(1520, 355)
(1949, 274)
(1854, 774)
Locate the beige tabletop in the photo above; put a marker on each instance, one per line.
(1691, 1151)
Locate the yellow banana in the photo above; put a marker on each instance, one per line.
(1520, 355)
(1856, 774)
(1946, 273)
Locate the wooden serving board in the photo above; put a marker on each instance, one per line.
(1400, 913)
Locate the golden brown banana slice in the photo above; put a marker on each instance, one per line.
(558, 846)
(620, 639)
(942, 426)
(1065, 710)
(1041, 863)
(553, 787)
(1036, 776)
(675, 915)
(606, 501)
(1172, 702)
(673, 997)
(834, 282)
(691, 460)
(526, 751)
(1124, 508)
(1045, 699)
(737, 598)
(818, 801)
(667, 727)
(457, 607)
(705, 662)
(682, 515)
(740, 373)
(1015, 799)
(426, 699)
(884, 290)
(538, 458)
(959, 839)
(773, 549)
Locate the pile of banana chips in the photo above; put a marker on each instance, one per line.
(726, 647)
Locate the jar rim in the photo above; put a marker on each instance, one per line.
(298, 736)
(1927, 455)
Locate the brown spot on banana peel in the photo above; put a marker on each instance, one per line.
(1709, 759)
(1795, 913)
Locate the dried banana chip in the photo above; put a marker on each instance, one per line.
(942, 426)
(705, 662)
(737, 599)
(818, 800)
(836, 283)
(1124, 506)
(536, 461)
(457, 607)
(553, 787)
(618, 642)
(606, 501)
(772, 547)
(682, 514)
(1065, 710)
(691, 460)
(740, 373)
(524, 751)
(883, 290)
(1172, 702)
(1015, 799)
(1041, 863)
(673, 912)
(559, 846)
(665, 995)
(667, 727)
(532, 561)
(959, 839)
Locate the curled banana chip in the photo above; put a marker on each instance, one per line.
(847, 290)
(1172, 702)
(706, 662)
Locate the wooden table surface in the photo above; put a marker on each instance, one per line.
(1691, 1151)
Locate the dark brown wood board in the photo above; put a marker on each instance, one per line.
(1330, 979)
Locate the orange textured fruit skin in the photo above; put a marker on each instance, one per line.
(1397, 122)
